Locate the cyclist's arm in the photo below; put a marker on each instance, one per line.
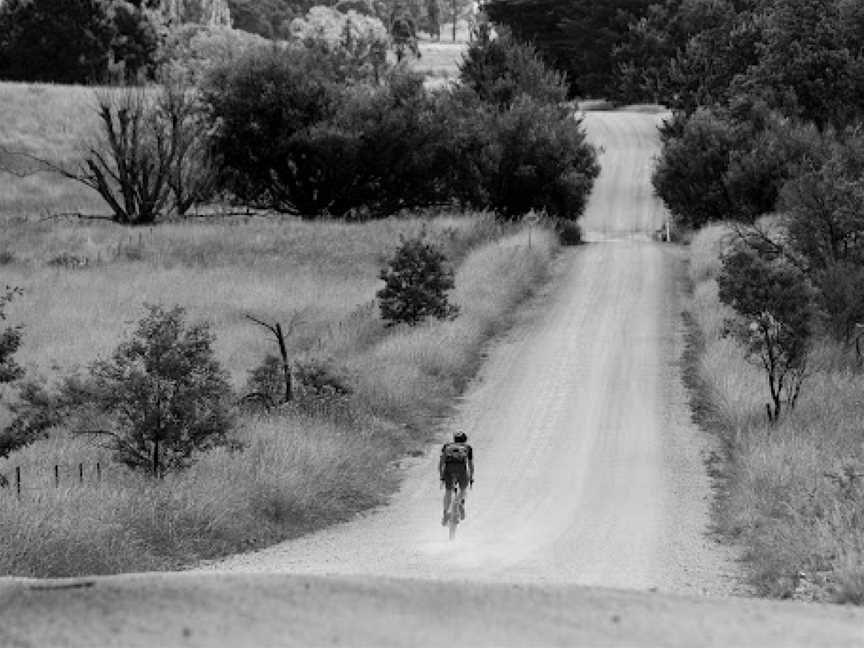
(471, 464)
(441, 465)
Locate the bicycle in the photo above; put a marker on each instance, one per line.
(454, 515)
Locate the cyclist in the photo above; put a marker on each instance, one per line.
(456, 466)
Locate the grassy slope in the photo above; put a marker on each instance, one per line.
(786, 500)
(85, 283)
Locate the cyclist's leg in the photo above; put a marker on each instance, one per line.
(449, 484)
(463, 491)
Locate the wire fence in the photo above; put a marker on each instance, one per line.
(23, 480)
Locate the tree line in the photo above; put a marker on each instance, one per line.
(768, 98)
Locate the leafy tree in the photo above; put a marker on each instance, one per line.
(689, 174)
(416, 282)
(135, 41)
(263, 107)
(163, 392)
(823, 210)
(63, 41)
(538, 160)
(192, 51)
(576, 37)
(723, 164)
(361, 40)
(724, 48)
(773, 302)
(79, 41)
(500, 70)
(267, 18)
(811, 65)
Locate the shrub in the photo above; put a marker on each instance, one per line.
(416, 282)
(773, 302)
(265, 384)
(10, 340)
(36, 410)
(502, 69)
(320, 378)
(162, 391)
(569, 232)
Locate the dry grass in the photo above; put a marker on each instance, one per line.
(219, 271)
(297, 472)
(794, 492)
(48, 121)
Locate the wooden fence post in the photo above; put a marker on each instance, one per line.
(80, 473)
(56, 476)
(98, 472)
(18, 481)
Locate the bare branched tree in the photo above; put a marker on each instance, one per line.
(280, 335)
(193, 177)
(130, 162)
(149, 156)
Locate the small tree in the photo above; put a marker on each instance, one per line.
(163, 391)
(773, 301)
(417, 279)
(502, 69)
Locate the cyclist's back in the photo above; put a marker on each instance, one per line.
(456, 467)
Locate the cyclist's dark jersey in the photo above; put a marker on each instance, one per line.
(467, 445)
(456, 472)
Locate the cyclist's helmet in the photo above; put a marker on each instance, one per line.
(460, 437)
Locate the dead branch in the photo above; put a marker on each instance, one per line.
(78, 215)
(279, 334)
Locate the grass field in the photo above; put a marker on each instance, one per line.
(85, 283)
(793, 493)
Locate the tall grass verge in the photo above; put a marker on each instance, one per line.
(794, 491)
(288, 472)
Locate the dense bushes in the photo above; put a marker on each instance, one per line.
(298, 131)
(77, 41)
(721, 163)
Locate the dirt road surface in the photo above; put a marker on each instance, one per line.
(589, 473)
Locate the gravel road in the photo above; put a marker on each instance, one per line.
(589, 473)
(588, 468)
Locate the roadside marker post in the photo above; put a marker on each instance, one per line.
(531, 219)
